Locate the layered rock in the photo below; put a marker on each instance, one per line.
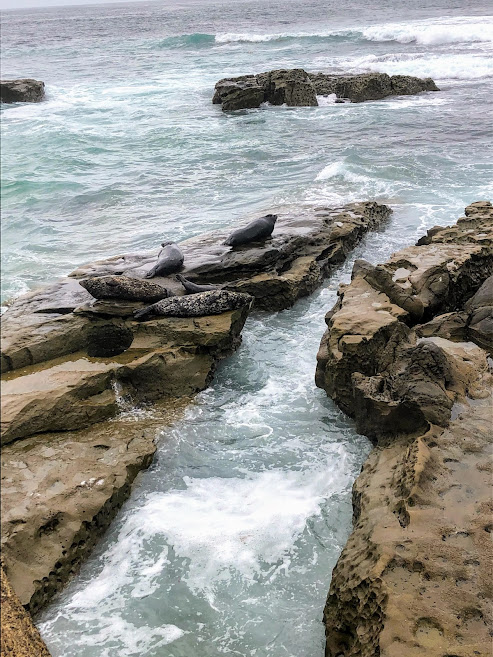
(70, 362)
(297, 88)
(24, 90)
(406, 354)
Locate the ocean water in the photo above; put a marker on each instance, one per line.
(227, 543)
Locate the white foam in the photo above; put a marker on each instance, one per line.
(463, 66)
(332, 170)
(324, 101)
(437, 31)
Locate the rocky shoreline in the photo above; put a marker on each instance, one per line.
(297, 88)
(406, 354)
(69, 456)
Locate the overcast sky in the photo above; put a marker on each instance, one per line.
(22, 4)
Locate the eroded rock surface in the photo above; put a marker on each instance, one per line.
(406, 354)
(19, 636)
(297, 88)
(25, 90)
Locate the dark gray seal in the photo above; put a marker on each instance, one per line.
(215, 302)
(258, 229)
(169, 260)
(124, 288)
(194, 288)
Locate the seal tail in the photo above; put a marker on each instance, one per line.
(151, 273)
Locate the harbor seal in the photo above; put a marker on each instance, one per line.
(170, 259)
(124, 288)
(258, 229)
(194, 288)
(215, 302)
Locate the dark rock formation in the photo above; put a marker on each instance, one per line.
(297, 88)
(21, 91)
(411, 578)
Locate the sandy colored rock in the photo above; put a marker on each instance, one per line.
(60, 491)
(18, 637)
(415, 577)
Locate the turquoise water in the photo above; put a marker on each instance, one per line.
(227, 544)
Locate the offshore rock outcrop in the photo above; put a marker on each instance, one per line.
(406, 354)
(72, 363)
(297, 88)
(24, 90)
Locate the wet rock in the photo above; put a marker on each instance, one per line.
(297, 88)
(239, 93)
(304, 246)
(25, 90)
(106, 340)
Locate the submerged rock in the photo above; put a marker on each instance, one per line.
(411, 574)
(297, 88)
(24, 90)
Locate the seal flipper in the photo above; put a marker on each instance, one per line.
(144, 313)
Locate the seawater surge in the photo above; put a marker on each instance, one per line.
(228, 541)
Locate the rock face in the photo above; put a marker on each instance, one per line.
(19, 636)
(72, 364)
(405, 354)
(297, 88)
(21, 91)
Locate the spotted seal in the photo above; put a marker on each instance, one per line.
(125, 288)
(214, 302)
(258, 229)
(193, 288)
(170, 259)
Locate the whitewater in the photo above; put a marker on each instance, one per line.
(227, 543)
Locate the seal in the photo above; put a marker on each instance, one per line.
(193, 288)
(214, 302)
(169, 260)
(258, 229)
(125, 288)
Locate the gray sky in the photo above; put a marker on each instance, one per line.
(21, 4)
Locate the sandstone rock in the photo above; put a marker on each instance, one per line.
(24, 90)
(18, 637)
(108, 339)
(411, 578)
(59, 493)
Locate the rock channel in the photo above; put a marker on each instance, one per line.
(406, 354)
(297, 88)
(69, 456)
